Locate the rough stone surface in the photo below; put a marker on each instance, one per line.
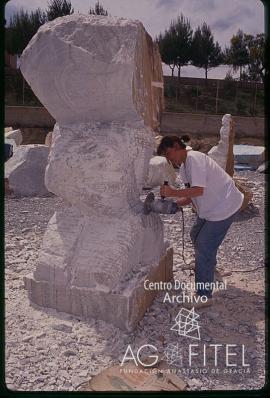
(123, 307)
(25, 170)
(236, 317)
(120, 73)
(101, 79)
(159, 171)
(223, 152)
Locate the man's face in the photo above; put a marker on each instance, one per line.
(174, 155)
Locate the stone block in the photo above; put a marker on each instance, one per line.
(160, 170)
(25, 170)
(15, 135)
(249, 154)
(124, 309)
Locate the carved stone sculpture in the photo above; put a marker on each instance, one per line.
(101, 79)
(223, 155)
(223, 152)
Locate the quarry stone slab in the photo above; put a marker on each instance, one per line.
(249, 154)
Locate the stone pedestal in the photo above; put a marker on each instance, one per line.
(123, 307)
(101, 79)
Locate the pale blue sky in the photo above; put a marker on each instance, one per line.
(223, 17)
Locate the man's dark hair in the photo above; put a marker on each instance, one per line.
(168, 142)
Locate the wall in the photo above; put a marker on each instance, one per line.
(28, 116)
(194, 81)
(209, 125)
(190, 123)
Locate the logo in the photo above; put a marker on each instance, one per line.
(173, 355)
(214, 358)
(186, 324)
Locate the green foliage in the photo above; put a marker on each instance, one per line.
(247, 53)
(229, 77)
(229, 87)
(256, 49)
(237, 54)
(205, 52)
(169, 91)
(58, 8)
(98, 10)
(21, 28)
(241, 106)
(167, 50)
(175, 44)
(24, 25)
(234, 98)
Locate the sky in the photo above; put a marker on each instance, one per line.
(224, 17)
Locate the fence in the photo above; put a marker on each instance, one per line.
(213, 96)
(187, 95)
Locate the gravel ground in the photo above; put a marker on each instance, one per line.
(50, 351)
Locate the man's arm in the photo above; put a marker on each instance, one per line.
(184, 201)
(192, 192)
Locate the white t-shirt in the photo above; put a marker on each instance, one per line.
(220, 199)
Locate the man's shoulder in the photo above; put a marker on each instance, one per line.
(195, 155)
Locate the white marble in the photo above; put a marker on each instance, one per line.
(25, 170)
(101, 79)
(159, 170)
(220, 152)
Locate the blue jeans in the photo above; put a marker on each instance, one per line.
(206, 237)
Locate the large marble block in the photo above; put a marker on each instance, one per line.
(101, 79)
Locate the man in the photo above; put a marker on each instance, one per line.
(216, 199)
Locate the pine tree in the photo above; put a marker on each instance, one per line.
(21, 28)
(237, 54)
(59, 8)
(98, 10)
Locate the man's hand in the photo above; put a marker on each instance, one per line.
(167, 191)
(184, 201)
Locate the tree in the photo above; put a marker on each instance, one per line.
(98, 10)
(256, 54)
(237, 54)
(181, 40)
(59, 8)
(205, 52)
(167, 52)
(21, 28)
(175, 44)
